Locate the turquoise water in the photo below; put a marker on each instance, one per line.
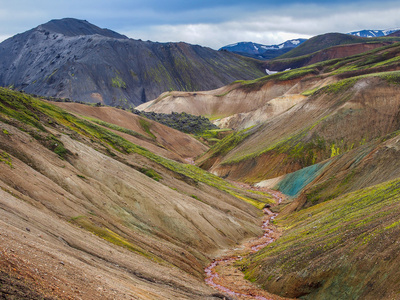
(294, 182)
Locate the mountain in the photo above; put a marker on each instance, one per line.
(260, 51)
(334, 52)
(396, 33)
(273, 93)
(327, 136)
(99, 203)
(322, 41)
(74, 59)
(324, 47)
(373, 33)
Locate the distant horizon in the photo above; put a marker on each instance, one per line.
(208, 23)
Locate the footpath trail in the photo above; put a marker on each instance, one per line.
(223, 275)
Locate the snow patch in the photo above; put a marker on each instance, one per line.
(268, 47)
(232, 45)
(270, 72)
(295, 42)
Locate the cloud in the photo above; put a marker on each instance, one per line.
(212, 23)
(275, 26)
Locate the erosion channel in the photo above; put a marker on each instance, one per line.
(223, 275)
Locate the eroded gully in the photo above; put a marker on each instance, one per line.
(223, 276)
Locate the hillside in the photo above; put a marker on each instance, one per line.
(327, 136)
(351, 91)
(89, 210)
(74, 59)
(298, 192)
(260, 51)
(246, 103)
(334, 52)
(327, 40)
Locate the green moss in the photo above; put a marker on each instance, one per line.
(146, 125)
(256, 84)
(391, 77)
(116, 127)
(336, 226)
(340, 86)
(113, 238)
(229, 142)
(118, 82)
(151, 173)
(6, 158)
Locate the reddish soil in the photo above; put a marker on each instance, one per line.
(223, 274)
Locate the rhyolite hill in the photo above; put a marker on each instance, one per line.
(71, 58)
(326, 135)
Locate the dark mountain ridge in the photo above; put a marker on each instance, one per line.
(74, 27)
(71, 58)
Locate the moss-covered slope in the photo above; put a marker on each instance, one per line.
(345, 248)
(110, 207)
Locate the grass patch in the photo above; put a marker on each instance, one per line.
(6, 158)
(151, 173)
(116, 127)
(117, 82)
(113, 237)
(146, 125)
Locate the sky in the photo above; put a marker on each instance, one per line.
(211, 23)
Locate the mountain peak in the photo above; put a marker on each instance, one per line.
(75, 27)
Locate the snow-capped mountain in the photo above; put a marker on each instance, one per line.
(261, 51)
(254, 48)
(373, 33)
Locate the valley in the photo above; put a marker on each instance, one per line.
(281, 186)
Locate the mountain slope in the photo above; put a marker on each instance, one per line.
(329, 140)
(372, 33)
(260, 51)
(78, 196)
(238, 104)
(343, 248)
(335, 52)
(69, 58)
(327, 40)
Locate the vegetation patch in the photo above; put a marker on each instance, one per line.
(256, 84)
(184, 122)
(113, 237)
(118, 82)
(146, 127)
(117, 128)
(6, 158)
(5, 131)
(229, 143)
(340, 231)
(151, 173)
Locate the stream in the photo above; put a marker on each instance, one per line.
(214, 279)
